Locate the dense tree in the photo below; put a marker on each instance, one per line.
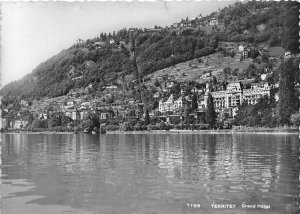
(90, 122)
(155, 104)
(65, 120)
(227, 72)
(288, 100)
(187, 112)
(254, 53)
(210, 114)
(147, 117)
(259, 114)
(38, 123)
(194, 103)
(163, 126)
(30, 119)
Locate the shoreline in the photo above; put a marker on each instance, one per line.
(226, 131)
(180, 131)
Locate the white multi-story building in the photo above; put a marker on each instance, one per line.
(257, 90)
(230, 98)
(234, 95)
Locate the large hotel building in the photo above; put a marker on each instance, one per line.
(227, 97)
(235, 94)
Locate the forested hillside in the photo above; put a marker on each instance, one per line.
(108, 58)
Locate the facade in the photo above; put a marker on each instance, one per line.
(75, 115)
(171, 104)
(258, 90)
(229, 97)
(103, 116)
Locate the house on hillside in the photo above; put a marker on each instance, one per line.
(122, 42)
(42, 116)
(261, 27)
(70, 104)
(85, 105)
(79, 41)
(156, 95)
(246, 32)
(24, 103)
(287, 54)
(263, 77)
(77, 78)
(88, 63)
(99, 44)
(245, 54)
(112, 41)
(263, 50)
(170, 84)
(241, 48)
(111, 87)
(214, 21)
(176, 25)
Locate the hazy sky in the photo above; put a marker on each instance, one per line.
(33, 32)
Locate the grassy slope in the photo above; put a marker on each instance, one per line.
(184, 72)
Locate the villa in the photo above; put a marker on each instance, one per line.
(171, 104)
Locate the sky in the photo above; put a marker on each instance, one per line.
(32, 32)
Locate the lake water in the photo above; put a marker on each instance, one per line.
(148, 174)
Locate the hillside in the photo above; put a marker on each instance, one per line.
(199, 70)
(108, 58)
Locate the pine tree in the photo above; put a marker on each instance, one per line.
(147, 117)
(194, 103)
(288, 100)
(210, 114)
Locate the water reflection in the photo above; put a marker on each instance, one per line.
(92, 171)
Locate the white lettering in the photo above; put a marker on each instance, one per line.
(248, 206)
(223, 206)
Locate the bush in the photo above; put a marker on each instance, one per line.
(126, 127)
(153, 127)
(192, 126)
(138, 127)
(112, 128)
(203, 126)
(178, 126)
(163, 126)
